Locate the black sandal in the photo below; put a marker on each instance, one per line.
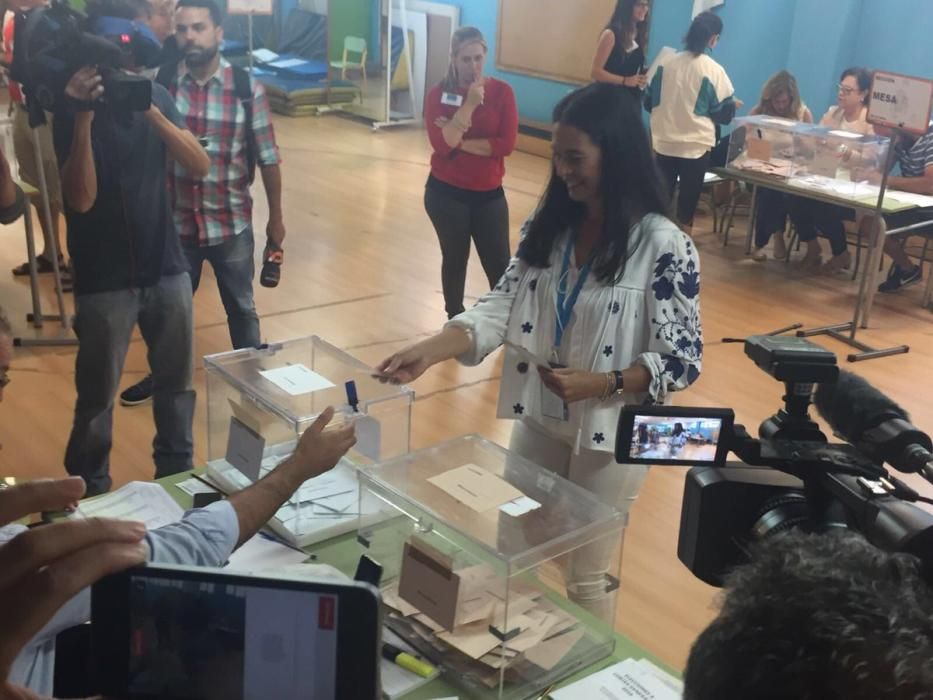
(43, 267)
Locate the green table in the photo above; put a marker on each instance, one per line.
(341, 552)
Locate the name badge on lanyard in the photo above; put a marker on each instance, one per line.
(451, 99)
(551, 405)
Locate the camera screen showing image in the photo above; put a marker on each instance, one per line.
(213, 640)
(673, 435)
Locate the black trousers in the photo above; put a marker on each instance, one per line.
(690, 173)
(458, 220)
(771, 217)
(814, 218)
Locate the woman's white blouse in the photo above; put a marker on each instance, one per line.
(651, 316)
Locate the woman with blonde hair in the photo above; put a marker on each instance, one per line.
(780, 97)
(472, 123)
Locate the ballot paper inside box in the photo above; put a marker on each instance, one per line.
(816, 157)
(478, 548)
(260, 401)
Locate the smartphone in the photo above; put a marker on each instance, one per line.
(189, 633)
(674, 435)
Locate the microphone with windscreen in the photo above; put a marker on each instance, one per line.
(877, 426)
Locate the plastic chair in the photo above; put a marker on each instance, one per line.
(355, 46)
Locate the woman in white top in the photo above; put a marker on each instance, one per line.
(851, 110)
(813, 218)
(599, 309)
(689, 94)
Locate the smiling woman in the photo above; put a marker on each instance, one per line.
(607, 288)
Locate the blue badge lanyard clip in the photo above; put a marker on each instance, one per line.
(566, 303)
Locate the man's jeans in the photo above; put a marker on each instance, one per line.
(104, 324)
(233, 266)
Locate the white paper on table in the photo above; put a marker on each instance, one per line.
(663, 56)
(397, 681)
(674, 684)
(296, 379)
(146, 502)
(520, 506)
(711, 177)
(288, 63)
(626, 679)
(920, 200)
(265, 55)
(259, 554)
(195, 486)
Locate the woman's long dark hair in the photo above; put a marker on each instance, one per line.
(704, 27)
(629, 180)
(621, 25)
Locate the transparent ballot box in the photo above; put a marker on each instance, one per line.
(483, 556)
(816, 157)
(260, 401)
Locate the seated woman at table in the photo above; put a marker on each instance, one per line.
(812, 218)
(780, 97)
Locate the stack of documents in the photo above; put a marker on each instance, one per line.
(627, 679)
(469, 628)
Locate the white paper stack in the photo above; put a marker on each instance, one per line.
(627, 679)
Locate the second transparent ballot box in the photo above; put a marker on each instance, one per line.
(498, 571)
(260, 401)
(827, 160)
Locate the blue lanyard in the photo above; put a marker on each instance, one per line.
(564, 303)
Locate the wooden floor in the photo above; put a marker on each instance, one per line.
(362, 271)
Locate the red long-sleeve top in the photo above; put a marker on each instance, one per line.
(496, 120)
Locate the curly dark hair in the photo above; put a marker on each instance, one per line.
(818, 617)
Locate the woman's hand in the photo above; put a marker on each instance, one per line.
(477, 94)
(639, 80)
(574, 384)
(409, 364)
(404, 366)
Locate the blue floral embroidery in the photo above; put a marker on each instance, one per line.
(599, 438)
(614, 307)
(689, 284)
(682, 331)
(673, 366)
(670, 271)
(533, 285)
(607, 351)
(522, 367)
(527, 327)
(519, 409)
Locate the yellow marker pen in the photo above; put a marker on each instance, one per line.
(407, 661)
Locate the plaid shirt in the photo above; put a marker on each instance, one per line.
(212, 210)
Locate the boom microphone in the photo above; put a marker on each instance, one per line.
(875, 424)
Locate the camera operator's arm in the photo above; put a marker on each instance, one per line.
(79, 174)
(182, 146)
(318, 452)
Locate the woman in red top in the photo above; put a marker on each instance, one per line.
(472, 123)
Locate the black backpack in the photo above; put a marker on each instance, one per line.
(244, 93)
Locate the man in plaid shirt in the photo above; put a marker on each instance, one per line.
(213, 215)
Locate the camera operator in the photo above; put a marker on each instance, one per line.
(818, 617)
(128, 264)
(77, 552)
